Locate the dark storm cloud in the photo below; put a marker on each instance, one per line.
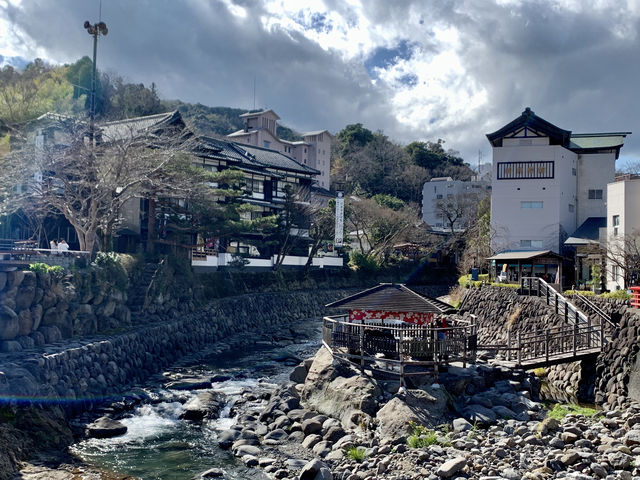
(200, 52)
(572, 67)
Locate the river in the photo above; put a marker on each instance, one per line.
(160, 446)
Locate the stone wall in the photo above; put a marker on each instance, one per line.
(610, 382)
(85, 371)
(41, 308)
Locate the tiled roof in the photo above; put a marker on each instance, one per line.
(391, 297)
(524, 255)
(262, 112)
(121, 129)
(275, 159)
(316, 132)
(588, 232)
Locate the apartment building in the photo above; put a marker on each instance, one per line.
(547, 181)
(314, 150)
(448, 204)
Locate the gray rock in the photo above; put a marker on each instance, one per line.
(315, 470)
(461, 425)
(105, 427)
(212, 473)
(449, 468)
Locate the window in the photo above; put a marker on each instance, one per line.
(595, 194)
(616, 224)
(572, 208)
(531, 243)
(531, 204)
(525, 170)
(439, 196)
(573, 172)
(267, 144)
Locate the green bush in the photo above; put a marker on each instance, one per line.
(357, 454)
(55, 271)
(505, 285)
(363, 263)
(560, 411)
(617, 295)
(586, 293)
(109, 262)
(422, 436)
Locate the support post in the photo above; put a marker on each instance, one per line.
(538, 287)
(546, 345)
(556, 296)
(519, 348)
(509, 345)
(575, 339)
(588, 332)
(362, 346)
(401, 356)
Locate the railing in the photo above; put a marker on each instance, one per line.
(538, 287)
(556, 343)
(402, 349)
(604, 317)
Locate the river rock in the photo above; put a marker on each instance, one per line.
(451, 467)
(203, 405)
(212, 473)
(315, 470)
(105, 427)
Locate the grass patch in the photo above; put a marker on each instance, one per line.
(559, 411)
(424, 437)
(357, 454)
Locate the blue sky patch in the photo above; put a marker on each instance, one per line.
(383, 57)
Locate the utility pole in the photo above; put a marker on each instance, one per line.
(95, 30)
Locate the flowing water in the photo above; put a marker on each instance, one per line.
(160, 446)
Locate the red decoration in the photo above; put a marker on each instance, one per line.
(415, 318)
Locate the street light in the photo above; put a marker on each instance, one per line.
(96, 30)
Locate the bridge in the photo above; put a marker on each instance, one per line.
(580, 337)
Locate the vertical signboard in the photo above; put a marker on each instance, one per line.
(339, 229)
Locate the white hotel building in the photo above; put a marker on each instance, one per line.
(547, 181)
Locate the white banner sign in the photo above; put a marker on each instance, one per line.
(339, 230)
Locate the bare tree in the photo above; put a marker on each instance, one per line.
(457, 210)
(622, 253)
(90, 183)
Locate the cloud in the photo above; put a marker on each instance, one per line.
(453, 70)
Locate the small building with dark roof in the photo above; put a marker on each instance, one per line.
(393, 304)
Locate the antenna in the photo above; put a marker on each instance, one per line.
(254, 91)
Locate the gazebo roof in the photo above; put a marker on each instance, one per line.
(392, 297)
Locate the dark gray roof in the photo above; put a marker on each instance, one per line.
(275, 159)
(588, 232)
(524, 255)
(132, 127)
(391, 297)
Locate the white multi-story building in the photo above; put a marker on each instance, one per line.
(448, 204)
(313, 151)
(547, 181)
(623, 228)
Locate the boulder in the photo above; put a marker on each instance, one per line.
(298, 374)
(315, 470)
(339, 390)
(9, 323)
(449, 468)
(426, 406)
(105, 427)
(203, 405)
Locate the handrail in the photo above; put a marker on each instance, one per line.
(560, 302)
(597, 310)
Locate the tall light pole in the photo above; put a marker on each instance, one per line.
(96, 30)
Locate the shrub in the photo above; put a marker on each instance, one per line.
(617, 295)
(422, 436)
(357, 454)
(363, 263)
(109, 262)
(586, 293)
(56, 271)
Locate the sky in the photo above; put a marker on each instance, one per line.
(416, 70)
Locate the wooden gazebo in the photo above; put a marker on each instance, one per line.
(513, 266)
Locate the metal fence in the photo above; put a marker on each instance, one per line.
(402, 349)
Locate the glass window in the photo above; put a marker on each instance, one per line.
(531, 204)
(572, 208)
(267, 144)
(595, 194)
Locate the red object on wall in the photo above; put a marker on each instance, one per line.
(635, 297)
(415, 318)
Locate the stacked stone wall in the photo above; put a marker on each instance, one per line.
(611, 382)
(83, 372)
(40, 308)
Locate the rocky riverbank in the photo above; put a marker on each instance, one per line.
(481, 423)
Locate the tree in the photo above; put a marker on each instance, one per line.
(377, 228)
(90, 184)
(321, 229)
(622, 254)
(477, 239)
(457, 210)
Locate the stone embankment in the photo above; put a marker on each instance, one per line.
(88, 370)
(611, 381)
